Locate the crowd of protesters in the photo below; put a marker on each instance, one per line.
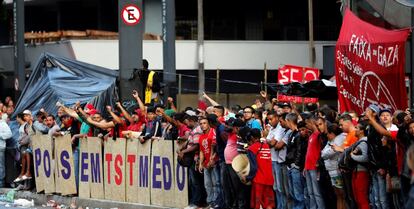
(268, 155)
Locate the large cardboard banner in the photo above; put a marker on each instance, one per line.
(38, 165)
(84, 169)
(115, 168)
(127, 171)
(65, 162)
(96, 174)
(370, 66)
(43, 162)
(144, 173)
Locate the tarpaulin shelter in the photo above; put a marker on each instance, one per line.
(67, 81)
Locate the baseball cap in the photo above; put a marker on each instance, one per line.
(190, 113)
(27, 112)
(374, 108)
(92, 112)
(385, 110)
(284, 104)
(89, 106)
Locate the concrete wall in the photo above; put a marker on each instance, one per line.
(226, 55)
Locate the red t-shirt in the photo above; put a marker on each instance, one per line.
(135, 127)
(182, 130)
(122, 127)
(205, 141)
(264, 163)
(314, 151)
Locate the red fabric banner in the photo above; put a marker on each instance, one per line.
(291, 73)
(370, 66)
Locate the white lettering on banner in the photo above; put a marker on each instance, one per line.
(360, 46)
(292, 72)
(353, 67)
(312, 74)
(346, 78)
(387, 60)
(284, 79)
(349, 96)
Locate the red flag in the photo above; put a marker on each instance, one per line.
(291, 73)
(369, 65)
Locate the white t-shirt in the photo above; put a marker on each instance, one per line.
(277, 134)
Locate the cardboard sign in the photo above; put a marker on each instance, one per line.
(38, 165)
(162, 186)
(131, 170)
(96, 174)
(115, 168)
(84, 169)
(65, 162)
(42, 154)
(144, 173)
(107, 176)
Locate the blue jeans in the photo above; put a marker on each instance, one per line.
(280, 185)
(197, 186)
(296, 188)
(379, 191)
(2, 166)
(312, 184)
(212, 185)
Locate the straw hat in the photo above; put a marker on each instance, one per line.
(241, 165)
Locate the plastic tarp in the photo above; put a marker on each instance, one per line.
(67, 81)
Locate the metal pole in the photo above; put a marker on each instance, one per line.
(168, 40)
(303, 81)
(130, 46)
(217, 85)
(265, 76)
(200, 44)
(311, 43)
(18, 39)
(179, 91)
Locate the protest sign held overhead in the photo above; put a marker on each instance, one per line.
(370, 66)
(290, 73)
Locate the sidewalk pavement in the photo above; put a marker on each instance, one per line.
(42, 199)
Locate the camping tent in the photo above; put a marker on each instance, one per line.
(67, 81)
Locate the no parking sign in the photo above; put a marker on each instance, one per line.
(131, 14)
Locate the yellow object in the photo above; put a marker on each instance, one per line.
(148, 90)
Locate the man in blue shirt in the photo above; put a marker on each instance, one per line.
(251, 122)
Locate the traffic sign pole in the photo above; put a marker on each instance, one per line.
(18, 40)
(168, 43)
(131, 30)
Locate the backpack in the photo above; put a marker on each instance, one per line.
(345, 162)
(253, 163)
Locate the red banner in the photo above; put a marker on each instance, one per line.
(370, 66)
(291, 73)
